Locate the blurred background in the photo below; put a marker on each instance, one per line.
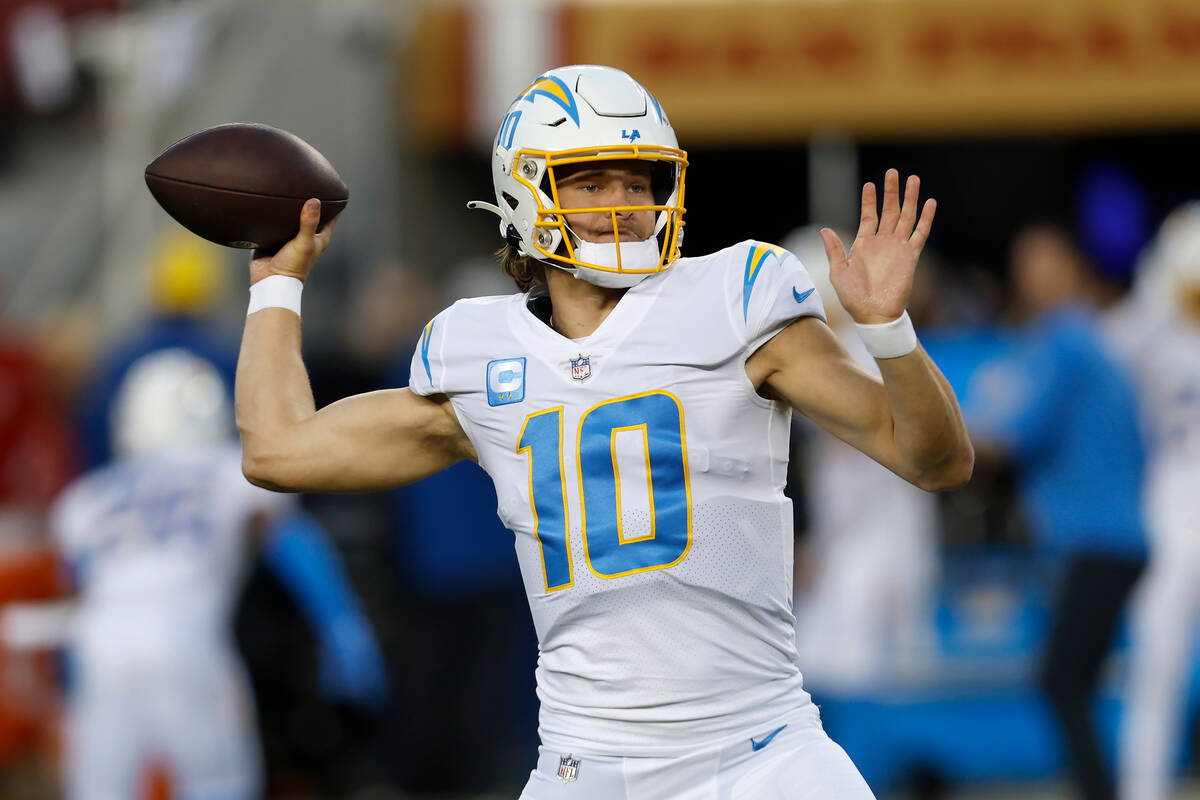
(1029, 635)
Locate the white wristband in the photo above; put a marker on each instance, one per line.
(889, 339)
(276, 291)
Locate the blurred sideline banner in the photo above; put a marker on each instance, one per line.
(737, 72)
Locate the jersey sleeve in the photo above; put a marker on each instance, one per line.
(428, 371)
(773, 289)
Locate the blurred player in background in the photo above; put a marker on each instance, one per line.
(1157, 333)
(184, 283)
(872, 540)
(633, 409)
(1058, 406)
(158, 542)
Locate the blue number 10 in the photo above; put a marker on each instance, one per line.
(658, 416)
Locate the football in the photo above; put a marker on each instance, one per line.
(243, 184)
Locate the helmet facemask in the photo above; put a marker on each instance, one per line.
(623, 261)
(580, 115)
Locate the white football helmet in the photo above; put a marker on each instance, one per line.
(1168, 273)
(579, 114)
(170, 399)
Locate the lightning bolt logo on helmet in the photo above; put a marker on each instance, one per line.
(570, 116)
(553, 88)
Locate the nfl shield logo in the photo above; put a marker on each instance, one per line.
(581, 368)
(568, 768)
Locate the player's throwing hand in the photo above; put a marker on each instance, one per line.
(295, 258)
(873, 283)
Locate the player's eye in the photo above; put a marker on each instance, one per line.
(639, 188)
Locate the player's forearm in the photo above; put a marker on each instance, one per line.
(366, 442)
(930, 436)
(272, 392)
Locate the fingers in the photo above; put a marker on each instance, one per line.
(324, 235)
(310, 217)
(891, 202)
(924, 224)
(296, 256)
(894, 217)
(834, 250)
(908, 213)
(868, 222)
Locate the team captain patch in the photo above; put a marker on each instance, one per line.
(506, 381)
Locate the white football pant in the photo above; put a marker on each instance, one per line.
(198, 724)
(797, 762)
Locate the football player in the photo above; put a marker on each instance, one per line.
(1157, 332)
(632, 407)
(158, 542)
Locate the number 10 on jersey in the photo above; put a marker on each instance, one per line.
(658, 417)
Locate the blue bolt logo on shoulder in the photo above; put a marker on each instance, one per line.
(755, 260)
(506, 381)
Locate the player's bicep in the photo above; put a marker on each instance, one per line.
(367, 442)
(807, 367)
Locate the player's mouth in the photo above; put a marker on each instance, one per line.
(626, 235)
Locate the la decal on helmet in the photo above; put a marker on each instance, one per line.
(579, 115)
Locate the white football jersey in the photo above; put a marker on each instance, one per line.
(158, 544)
(643, 478)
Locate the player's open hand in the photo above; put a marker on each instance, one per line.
(296, 257)
(873, 283)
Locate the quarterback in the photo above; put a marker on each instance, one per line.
(632, 406)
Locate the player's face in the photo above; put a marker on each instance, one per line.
(607, 184)
(1046, 269)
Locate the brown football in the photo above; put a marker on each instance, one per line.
(242, 184)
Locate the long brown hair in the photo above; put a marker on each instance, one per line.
(524, 271)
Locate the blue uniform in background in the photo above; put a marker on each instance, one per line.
(1066, 415)
(1063, 411)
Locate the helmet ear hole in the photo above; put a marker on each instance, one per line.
(512, 201)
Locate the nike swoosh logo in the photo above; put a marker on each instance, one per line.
(800, 298)
(766, 740)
